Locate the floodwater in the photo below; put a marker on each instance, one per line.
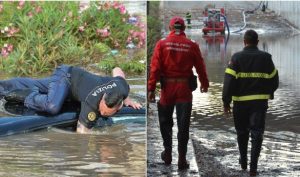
(118, 150)
(280, 154)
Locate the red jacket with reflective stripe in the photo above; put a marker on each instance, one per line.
(174, 57)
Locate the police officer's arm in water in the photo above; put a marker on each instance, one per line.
(127, 102)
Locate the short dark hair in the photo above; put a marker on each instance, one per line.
(251, 37)
(113, 99)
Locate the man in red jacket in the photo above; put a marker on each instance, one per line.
(171, 64)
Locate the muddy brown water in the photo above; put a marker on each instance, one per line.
(280, 154)
(118, 150)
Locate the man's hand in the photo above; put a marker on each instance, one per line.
(227, 110)
(82, 129)
(118, 72)
(134, 105)
(203, 89)
(151, 97)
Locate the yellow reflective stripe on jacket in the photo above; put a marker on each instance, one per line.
(251, 75)
(250, 97)
(257, 75)
(230, 71)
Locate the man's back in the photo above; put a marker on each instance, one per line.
(253, 71)
(84, 84)
(177, 56)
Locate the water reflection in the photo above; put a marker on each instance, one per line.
(56, 154)
(118, 150)
(281, 144)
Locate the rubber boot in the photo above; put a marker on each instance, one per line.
(183, 111)
(182, 162)
(18, 95)
(166, 123)
(256, 141)
(243, 138)
(166, 156)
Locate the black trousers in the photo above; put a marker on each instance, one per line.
(183, 112)
(250, 118)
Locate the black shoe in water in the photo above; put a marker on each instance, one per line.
(243, 164)
(166, 156)
(18, 95)
(253, 172)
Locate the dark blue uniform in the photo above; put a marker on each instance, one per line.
(89, 89)
(50, 93)
(250, 80)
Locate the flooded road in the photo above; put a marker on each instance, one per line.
(213, 135)
(280, 154)
(118, 150)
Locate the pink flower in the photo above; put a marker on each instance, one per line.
(116, 5)
(83, 5)
(122, 9)
(30, 14)
(103, 32)
(12, 31)
(1, 8)
(21, 4)
(10, 48)
(143, 35)
(4, 52)
(106, 6)
(81, 28)
(135, 34)
(38, 9)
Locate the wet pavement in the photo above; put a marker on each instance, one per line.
(213, 135)
(155, 166)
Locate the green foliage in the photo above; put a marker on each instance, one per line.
(135, 64)
(153, 28)
(47, 34)
(101, 48)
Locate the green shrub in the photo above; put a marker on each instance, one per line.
(37, 36)
(153, 29)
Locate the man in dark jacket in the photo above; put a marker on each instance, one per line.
(171, 64)
(99, 96)
(250, 80)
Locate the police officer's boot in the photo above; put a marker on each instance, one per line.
(166, 123)
(256, 141)
(183, 111)
(18, 95)
(243, 138)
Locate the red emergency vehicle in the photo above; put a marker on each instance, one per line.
(213, 21)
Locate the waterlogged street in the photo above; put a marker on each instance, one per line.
(280, 153)
(116, 150)
(213, 135)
